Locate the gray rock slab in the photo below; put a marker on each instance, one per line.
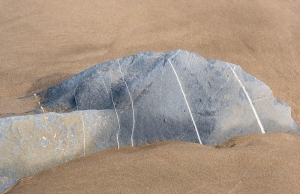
(138, 99)
(30, 144)
(150, 91)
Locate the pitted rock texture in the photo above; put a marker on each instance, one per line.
(138, 99)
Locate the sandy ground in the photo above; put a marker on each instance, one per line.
(45, 42)
(249, 164)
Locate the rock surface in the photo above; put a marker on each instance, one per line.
(138, 99)
(213, 100)
(30, 144)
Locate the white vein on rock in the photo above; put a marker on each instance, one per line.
(249, 99)
(228, 79)
(262, 98)
(186, 102)
(39, 103)
(112, 99)
(133, 117)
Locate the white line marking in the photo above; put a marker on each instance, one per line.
(249, 99)
(83, 130)
(112, 99)
(187, 104)
(133, 119)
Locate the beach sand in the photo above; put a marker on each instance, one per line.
(249, 164)
(42, 43)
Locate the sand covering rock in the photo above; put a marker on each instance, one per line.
(45, 42)
(254, 163)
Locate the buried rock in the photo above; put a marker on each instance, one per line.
(177, 91)
(142, 98)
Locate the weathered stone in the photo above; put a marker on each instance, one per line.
(146, 88)
(30, 144)
(142, 98)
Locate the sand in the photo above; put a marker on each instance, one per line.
(45, 42)
(249, 164)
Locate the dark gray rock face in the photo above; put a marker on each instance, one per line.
(146, 97)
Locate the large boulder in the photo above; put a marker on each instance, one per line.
(176, 91)
(138, 99)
